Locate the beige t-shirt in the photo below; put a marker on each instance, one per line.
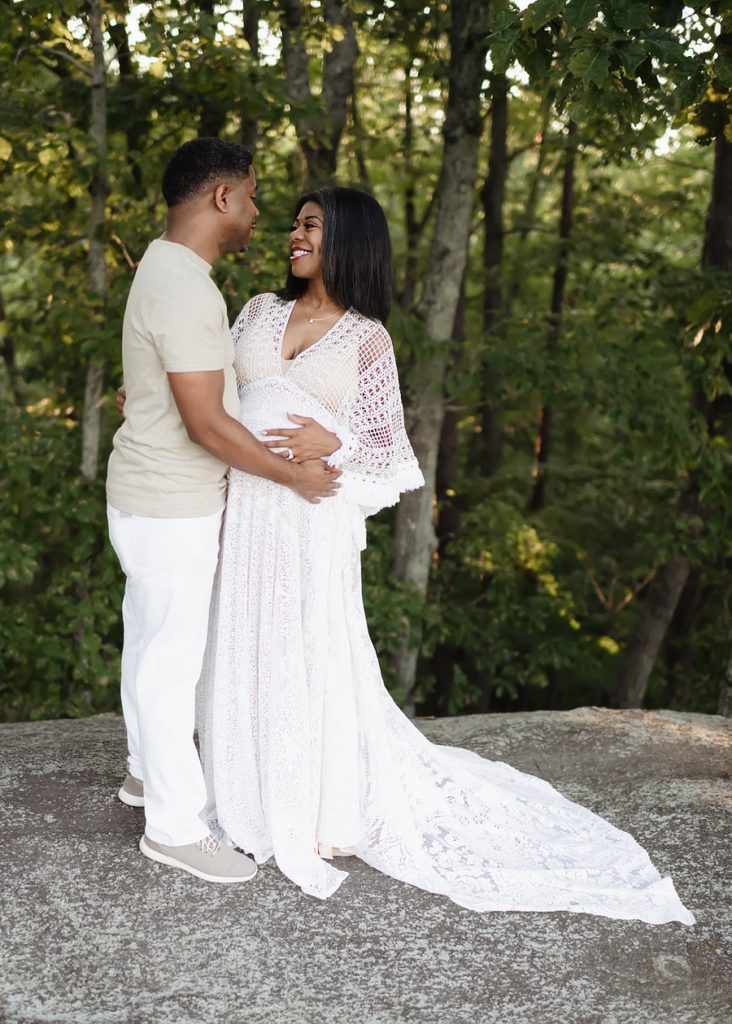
(175, 321)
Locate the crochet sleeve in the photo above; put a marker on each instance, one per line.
(249, 314)
(376, 455)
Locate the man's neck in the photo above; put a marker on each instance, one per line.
(191, 234)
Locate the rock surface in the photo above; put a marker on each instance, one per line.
(95, 934)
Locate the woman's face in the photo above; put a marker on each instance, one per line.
(306, 238)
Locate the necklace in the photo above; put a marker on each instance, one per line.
(317, 319)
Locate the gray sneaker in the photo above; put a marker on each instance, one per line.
(131, 792)
(207, 859)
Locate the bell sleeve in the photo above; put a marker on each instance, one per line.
(376, 455)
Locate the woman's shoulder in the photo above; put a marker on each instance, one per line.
(257, 306)
(371, 333)
(260, 301)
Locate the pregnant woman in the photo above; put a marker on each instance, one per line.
(306, 755)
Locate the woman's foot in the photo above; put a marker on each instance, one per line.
(329, 852)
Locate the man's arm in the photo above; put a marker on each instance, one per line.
(199, 398)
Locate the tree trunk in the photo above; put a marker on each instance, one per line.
(212, 117)
(680, 645)
(249, 124)
(7, 354)
(135, 130)
(725, 697)
(412, 224)
(338, 77)
(717, 251)
(415, 535)
(448, 520)
(358, 143)
(645, 641)
(492, 197)
(486, 446)
(527, 219)
(96, 266)
(319, 128)
(545, 439)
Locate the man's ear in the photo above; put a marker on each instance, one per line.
(221, 198)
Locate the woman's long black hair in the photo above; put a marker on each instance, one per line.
(356, 252)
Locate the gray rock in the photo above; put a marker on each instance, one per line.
(95, 934)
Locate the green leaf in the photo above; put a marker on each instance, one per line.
(722, 71)
(542, 11)
(630, 15)
(580, 13)
(631, 55)
(591, 65)
(689, 91)
(506, 32)
(664, 48)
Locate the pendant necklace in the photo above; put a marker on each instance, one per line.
(318, 319)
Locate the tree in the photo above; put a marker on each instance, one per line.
(97, 269)
(414, 539)
(319, 124)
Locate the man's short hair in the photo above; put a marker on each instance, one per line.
(202, 164)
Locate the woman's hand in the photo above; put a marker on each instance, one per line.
(120, 400)
(308, 441)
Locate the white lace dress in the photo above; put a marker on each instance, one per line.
(301, 742)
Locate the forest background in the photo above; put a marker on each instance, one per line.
(558, 181)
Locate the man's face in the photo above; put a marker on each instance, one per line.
(242, 214)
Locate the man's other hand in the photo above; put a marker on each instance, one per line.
(315, 481)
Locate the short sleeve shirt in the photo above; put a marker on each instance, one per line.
(175, 322)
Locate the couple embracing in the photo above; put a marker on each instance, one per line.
(249, 622)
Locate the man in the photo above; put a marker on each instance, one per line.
(166, 488)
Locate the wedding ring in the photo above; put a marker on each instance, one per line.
(290, 454)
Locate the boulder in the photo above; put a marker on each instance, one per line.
(94, 932)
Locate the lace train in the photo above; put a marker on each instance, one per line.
(303, 744)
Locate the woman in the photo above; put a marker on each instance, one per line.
(305, 753)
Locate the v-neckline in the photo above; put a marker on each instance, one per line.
(291, 362)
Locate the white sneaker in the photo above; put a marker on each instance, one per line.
(132, 792)
(207, 859)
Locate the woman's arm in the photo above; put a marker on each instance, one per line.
(375, 454)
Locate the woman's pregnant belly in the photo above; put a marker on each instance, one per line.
(266, 403)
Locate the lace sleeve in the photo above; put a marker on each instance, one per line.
(375, 454)
(249, 314)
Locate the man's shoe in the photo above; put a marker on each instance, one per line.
(131, 792)
(207, 859)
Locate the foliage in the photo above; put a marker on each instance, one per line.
(60, 632)
(540, 604)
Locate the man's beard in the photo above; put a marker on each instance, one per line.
(237, 243)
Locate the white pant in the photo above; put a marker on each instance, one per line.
(170, 565)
